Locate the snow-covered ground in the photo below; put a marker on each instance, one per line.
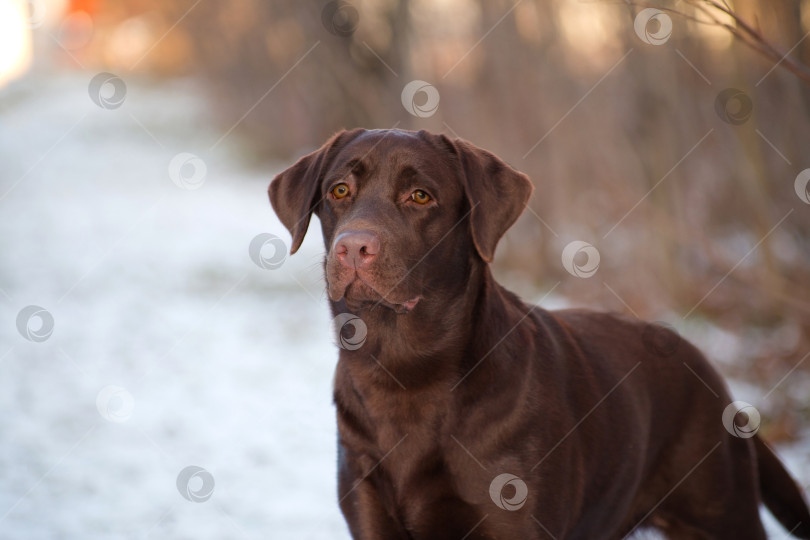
(170, 347)
(151, 288)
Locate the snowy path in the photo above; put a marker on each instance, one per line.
(151, 288)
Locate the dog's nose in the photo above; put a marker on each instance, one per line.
(356, 249)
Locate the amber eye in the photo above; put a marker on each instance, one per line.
(420, 197)
(340, 191)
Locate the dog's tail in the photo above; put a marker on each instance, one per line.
(780, 492)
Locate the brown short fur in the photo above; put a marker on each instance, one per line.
(459, 381)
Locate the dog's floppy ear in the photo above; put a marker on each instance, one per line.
(294, 193)
(497, 193)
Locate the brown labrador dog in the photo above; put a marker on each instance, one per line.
(467, 414)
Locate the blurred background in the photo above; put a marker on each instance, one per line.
(140, 334)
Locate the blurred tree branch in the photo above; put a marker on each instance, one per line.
(741, 29)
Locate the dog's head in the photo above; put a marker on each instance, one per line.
(403, 213)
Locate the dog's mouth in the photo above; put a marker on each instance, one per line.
(359, 295)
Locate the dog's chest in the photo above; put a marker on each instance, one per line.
(400, 418)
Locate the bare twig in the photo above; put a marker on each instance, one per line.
(741, 30)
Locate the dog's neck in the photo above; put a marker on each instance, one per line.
(435, 342)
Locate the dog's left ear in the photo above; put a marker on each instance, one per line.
(497, 194)
(294, 193)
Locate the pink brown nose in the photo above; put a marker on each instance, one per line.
(356, 249)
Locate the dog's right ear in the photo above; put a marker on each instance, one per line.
(295, 194)
(497, 193)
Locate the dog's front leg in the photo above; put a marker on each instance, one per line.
(361, 503)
